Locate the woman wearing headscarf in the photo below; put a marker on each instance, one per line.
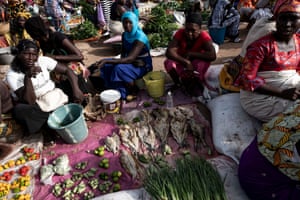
(189, 55)
(269, 167)
(17, 30)
(135, 61)
(35, 92)
(269, 76)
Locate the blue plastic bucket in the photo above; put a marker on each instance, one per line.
(69, 123)
(217, 34)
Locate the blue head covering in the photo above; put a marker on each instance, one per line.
(136, 33)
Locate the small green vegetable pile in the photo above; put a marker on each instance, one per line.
(86, 181)
(192, 178)
(83, 31)
(160, 27)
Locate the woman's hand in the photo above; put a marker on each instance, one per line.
(100, 63)
(291, 93)
(33, 71)
(189, 66)
(85, 72)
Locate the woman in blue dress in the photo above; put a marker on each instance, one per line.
(134, 63)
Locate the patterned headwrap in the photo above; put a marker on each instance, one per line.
(14, 8)
(286, 6)
(136, 33)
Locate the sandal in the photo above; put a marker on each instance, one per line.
(130, 98)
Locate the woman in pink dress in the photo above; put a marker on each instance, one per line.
(189, 55)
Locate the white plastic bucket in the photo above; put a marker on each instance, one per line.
(111, 101)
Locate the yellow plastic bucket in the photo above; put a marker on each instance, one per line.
(155, 83)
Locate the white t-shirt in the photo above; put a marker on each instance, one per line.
(41, 83)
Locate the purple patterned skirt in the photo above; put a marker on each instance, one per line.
(261, 180)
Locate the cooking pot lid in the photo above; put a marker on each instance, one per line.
(110, 96)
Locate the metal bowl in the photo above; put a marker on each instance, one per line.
(5, 56)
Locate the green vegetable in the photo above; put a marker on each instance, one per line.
(83, 31)
(147, 104)
(99, 151)
(143, 158)
(116, 187)
(103, 176)
(57, 189)
(88, 195)
(116, 173)
(160, 27)
(80, 188)
(104, 163)
(94, 183)
(192, 178)
(136, 119)
(81, 165)
(159, 101)
(68, 183)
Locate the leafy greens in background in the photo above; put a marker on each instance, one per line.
(160, 27)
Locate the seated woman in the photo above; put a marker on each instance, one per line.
(117, 9)
(246, 8)
(17, 30)
(54, 10)
(35, 92)
(189, 55)
(135, 59)
(269, 77)
(225, 15)
(269, 167)
(59, 47)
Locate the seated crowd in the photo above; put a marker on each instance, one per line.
(48, 65)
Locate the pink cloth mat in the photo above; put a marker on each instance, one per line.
(97, 133)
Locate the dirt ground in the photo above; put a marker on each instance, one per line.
(96, 50)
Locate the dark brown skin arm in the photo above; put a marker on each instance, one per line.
(74, 53)
(26, 93)
(138, 46)
(208, 55)
(291, 93)
(78, 95)
(120, 10)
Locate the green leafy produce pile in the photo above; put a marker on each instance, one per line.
(83, 31)
(160, 27)
(192, 178)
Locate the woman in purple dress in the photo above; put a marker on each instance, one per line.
(270, 166)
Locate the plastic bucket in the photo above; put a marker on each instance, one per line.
(217, 34)
(111, 101)
(69, 123)
(155, 83)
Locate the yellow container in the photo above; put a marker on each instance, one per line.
(155, 83)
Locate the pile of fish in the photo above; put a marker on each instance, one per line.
(147, 131)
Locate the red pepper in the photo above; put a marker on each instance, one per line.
(24, 170)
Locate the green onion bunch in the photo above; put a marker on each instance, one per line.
(190, 179)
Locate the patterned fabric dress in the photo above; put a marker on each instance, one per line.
(269, 167)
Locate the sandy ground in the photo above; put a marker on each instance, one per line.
(96, 50)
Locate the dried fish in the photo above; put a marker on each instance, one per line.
(150, 139)
(181, 113)
(179, 130)
(197, 132)
(129, 137)
(128, 163)
(161, 129)
(112, 143)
